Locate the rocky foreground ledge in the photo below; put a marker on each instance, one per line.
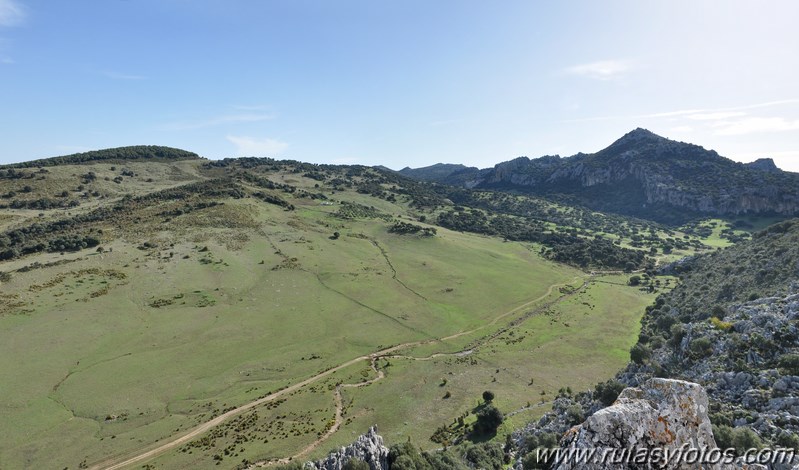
(368, 447)
(660, 417)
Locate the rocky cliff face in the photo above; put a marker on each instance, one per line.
(745, 365)
(645, 175)
(656, 171)
(368, 447)
(764, 164)
(658, 422)
(660, 414)
(741, 370)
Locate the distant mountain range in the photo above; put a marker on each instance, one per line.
(641, 174)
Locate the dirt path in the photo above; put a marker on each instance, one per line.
(510, 312)
(110, 465)
(172, 443)
(336, 424)
(381, 374)
(393, 270)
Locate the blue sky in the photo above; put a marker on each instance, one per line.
(397, 83)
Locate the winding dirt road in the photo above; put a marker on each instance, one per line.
(172, 443)
(336, 424)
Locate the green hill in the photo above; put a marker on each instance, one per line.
(119, 154)
(166, 293)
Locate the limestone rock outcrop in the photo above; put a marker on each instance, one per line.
(368, 447)
(661, 413)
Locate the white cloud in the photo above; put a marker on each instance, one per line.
(681, 129)
(706, 114)
(601, 70)
(754, 125)
(252, 147)
(11, 13)
(219, 120)
(715, 116)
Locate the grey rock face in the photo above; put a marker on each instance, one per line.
(368, 447)
(663, 171)
(764, 164)
(763, 397)
(661, 413)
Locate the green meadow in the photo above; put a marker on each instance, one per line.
(109, 353)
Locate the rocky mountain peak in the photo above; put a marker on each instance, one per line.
(639, 136)
(764, 164)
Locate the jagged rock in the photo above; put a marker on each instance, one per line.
(368, 447)
(662, 413)
(764, 164)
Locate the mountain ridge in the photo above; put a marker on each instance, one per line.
(644, 175)
(115, 154)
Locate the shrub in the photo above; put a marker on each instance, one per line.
(640, 353)
(542, 441)
(677, 334)
(701, 347)
(788, 440)
(744, 439)
(723, 436)
(720, 324)
(608, 392)
(488, 420)
(406, 457)
(790, 362)
(355, 464)
(488, 455)
(575, 414)
(741, 438)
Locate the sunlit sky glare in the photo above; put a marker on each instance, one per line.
(397, 82)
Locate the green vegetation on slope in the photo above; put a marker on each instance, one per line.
(214, 284)
(119, 154)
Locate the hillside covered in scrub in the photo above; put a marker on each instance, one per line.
(641, 174)
(252, 311)
(179, 312)
(731, 325)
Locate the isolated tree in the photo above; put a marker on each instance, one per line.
(488, 420)
(488, 396)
